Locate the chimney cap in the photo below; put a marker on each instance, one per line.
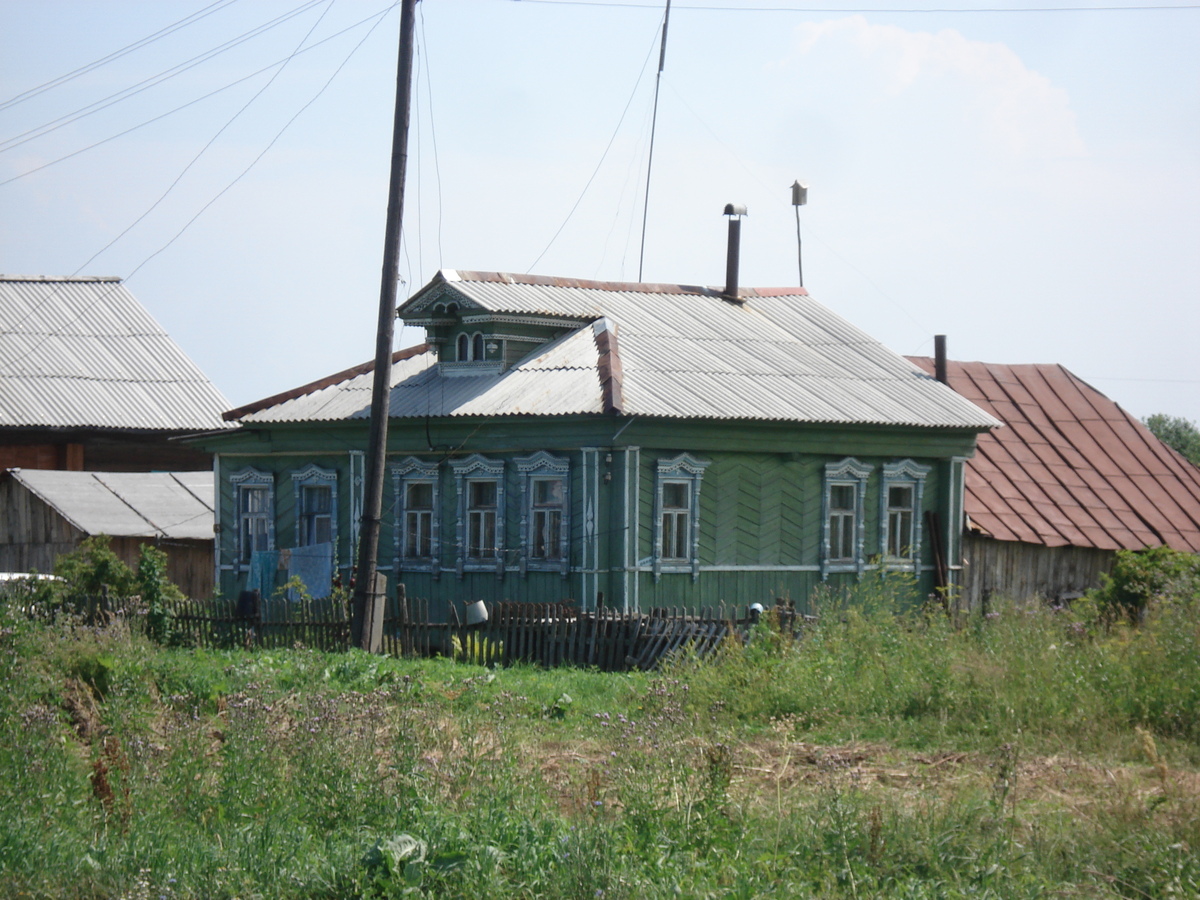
(735, 209)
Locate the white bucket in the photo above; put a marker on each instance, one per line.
(477, 613)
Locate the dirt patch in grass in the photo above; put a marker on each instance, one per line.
(767, 768)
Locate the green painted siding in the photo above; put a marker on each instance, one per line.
(760, 501)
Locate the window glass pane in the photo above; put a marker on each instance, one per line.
(841, 497)
(317, 499)
(547, 534)
(481, 534)
(477, 347)
(675, 495)
(482, 494)
(463, 347)
(900, 496)
(323, 530)
(418, 495)
(547, 492)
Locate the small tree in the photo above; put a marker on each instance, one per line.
(156, 591)
(93, 569)
(1141, 577)
(1177, 433)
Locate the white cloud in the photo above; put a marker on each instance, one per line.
(983, 84)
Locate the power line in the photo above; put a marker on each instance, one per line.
(221, 193)
(200, 99)
(147, 83)
(115, 55)
(874, 9)
(603, 156)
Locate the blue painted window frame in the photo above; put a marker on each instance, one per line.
(910, 474)
(474, 469)
(687, 471)
(542, 466)
(413, 471)
(846, 473)
(244, 481)
(313, 475)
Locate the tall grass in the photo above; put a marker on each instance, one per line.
(887, 752)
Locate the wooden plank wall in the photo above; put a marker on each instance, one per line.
(996, 571)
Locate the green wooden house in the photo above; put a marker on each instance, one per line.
(631, 445)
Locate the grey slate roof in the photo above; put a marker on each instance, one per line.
(681, 352)
(83, 353)
(175, 505)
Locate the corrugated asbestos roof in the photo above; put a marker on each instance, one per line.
(177, 505)
(1071, 467)
(83, 353)
(677, 351)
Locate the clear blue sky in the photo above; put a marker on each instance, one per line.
(1022, 177)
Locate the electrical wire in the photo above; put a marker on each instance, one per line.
(147, 83)
(179, 178)
(211, 141)
(875, 9)
(220, 194)
(437, 169)
(190, 103)
(603, 155)
(115, 55)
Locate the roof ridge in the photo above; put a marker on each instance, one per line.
(642, 287)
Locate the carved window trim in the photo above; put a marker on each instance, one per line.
(531, 469)
(415, 471)
(848, 473)
(478, 468)
(905, 473)
(688, 471)
(242, 482)
(313, 475)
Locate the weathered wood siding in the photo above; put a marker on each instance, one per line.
(33, 536)
(1007, 570)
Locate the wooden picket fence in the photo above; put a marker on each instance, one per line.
(316, 624)
(546, 634)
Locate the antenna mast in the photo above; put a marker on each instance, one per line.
(799, 198)
(662, 58)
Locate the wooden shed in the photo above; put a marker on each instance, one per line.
(1071, 479)
(46, 513)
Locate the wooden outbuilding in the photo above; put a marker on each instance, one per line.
(1071, 479)
(46, 513)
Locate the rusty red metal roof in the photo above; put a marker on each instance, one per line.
(1070, 467)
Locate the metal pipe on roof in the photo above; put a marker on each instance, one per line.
(735, 211)
(939, 358)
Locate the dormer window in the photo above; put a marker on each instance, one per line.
(470, 348)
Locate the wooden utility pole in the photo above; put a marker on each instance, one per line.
(368, 595)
